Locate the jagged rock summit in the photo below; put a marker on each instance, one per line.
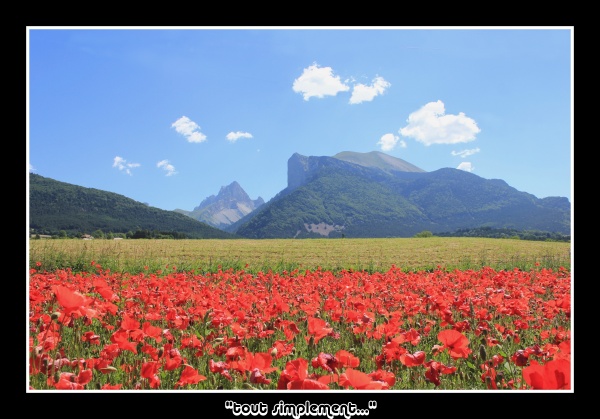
(228, 206)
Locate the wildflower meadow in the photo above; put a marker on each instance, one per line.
(312, 329)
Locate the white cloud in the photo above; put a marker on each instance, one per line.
(318, 82)
(466, 166)
(167, 167)
(234, 136)
(465, 153)
(121, 164)
(362, 92)
(189, 129)
(31, 168)
(387, 142)
(429, 125)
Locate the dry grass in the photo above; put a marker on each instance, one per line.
(289, 254)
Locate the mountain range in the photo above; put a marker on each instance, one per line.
(346, 195)
(377, 195)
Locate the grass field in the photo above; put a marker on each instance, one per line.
(278, 255)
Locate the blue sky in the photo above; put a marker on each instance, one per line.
(166, 116)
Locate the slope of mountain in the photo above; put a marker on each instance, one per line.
(56, 206)
(230, 205)
(375, 195)
(379, 160)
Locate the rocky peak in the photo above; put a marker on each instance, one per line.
(229, 205)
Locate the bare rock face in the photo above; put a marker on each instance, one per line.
(297, 168)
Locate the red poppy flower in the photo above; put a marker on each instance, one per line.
(280, 349)
(149, 369)
(111, 387)
(65, 383)
(220, 367)
(152, 331)
(234, 353)
(385, 376)
(129, 324)
(347, 359)
(434, 369)
(70, 300)
(84, 377)
(360, 381)
(256, 377)
(520, 358)
(295, 377)
(91, 337)
(412, 336)
(121, 338)
(455, 342)
(326, 361)
(174, 359)
(70, 381)
(412, 360)
(554, 375)
(189, 376)
(73, 302)
(317, 329)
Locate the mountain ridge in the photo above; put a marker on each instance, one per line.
(369, 197)
(56, 206)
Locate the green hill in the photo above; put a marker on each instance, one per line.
(57, 206)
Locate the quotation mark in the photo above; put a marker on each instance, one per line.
(372, 404)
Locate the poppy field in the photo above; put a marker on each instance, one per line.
(303, 329)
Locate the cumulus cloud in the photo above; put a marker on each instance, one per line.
(121, 164)
(430, 125)
(465, 153)
(189, 129)
(318, 82)
(364, 93)
(31, 168)
(466, 166)
(388, 142)
(167, 167)
(234, 136)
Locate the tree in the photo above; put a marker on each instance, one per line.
(98, 234)
(424, 233)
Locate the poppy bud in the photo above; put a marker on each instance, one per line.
(274, 352)
(482, 352)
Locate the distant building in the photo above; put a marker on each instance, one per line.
(87, 237)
